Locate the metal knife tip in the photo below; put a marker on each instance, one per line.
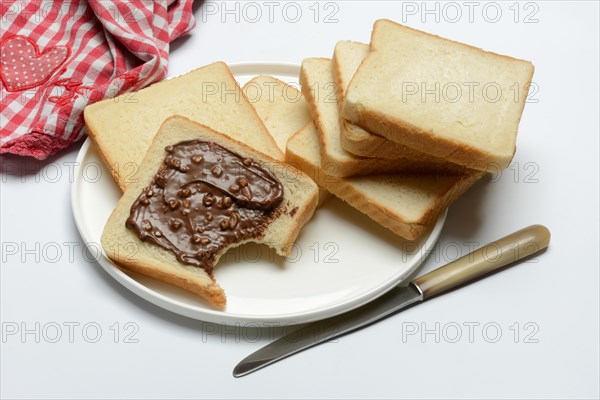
(245, 368)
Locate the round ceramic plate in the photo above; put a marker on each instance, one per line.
(341, 259)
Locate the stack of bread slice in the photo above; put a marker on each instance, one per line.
(407, 203)
(390, 137)
(358, 129)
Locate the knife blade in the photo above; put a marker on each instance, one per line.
(324, 330)
(485, 260)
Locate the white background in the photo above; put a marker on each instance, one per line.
(553, 180)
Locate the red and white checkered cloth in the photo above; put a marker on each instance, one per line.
(58, 56)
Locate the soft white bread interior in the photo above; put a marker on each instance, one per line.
(124, 247)
(319, 88)
(122, 128)
(280, 105)
(405, 204)
(283, 109)
(440, 97)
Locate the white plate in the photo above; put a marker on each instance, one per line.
(341, 260)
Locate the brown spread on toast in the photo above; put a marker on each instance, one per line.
(203, 198)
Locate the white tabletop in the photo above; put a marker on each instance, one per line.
(530, 331)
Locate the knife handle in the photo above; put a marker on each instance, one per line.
(484, 260)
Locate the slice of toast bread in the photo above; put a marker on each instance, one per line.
(405, 204)
(440, 97)
(123, 246)
(283, 109)
(316, 79)
(122, 128)
(347, 57)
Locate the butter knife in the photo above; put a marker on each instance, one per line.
(483, 261)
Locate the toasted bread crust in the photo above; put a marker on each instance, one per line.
(349, 164)
(367, 145)
(410, 135)
(105, 156)
(362, 145)
(201, 285)
(349, 192)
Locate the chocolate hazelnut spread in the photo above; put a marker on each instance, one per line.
(203, 198)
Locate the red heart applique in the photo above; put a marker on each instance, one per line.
(24, 67)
